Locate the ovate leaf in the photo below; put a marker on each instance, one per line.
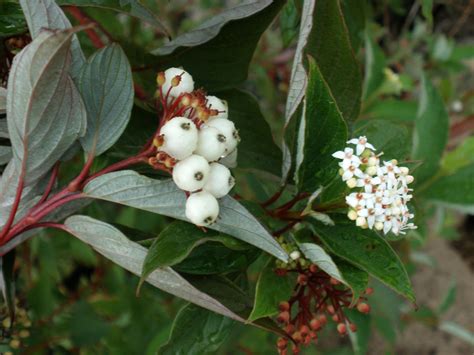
(218, 52)
(197, 331)
(132, 7)
(45, 111)
(107, 88)
(271, 289)
(355, 19)
(335, 57)
(315, 165)
(41, 14)
(111, 243)
(454, 191)
(357, 278)
(431, 132)
(164, 197)
(367, 250)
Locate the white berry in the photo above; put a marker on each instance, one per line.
(211, 143)
(184, 84)
(202, 208)
(295, 255)
(227, 128)
(230, 160)
(180, 137)
(191, 174)
(215, 103)
(220, 181)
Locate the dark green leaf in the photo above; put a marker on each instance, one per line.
(458, 158)
(12, 20)
(374, 66)
(355, 19)
(390, 138)
(107, 89)
(131, 7)
(431, 132)
(321, 115)
(197, 331)
(257, 149)
(335, 57)
(289, 22)
(271, 289)
(360, 338)
(218, 52)
(163, 197)
(83, 314)
(357, 278)
(174, 244)
(455, 191)
(367, 250)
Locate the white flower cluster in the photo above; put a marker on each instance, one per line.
(198, 143)
(382, 189)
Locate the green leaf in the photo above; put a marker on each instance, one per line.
(289, 22)
(357, 278)
(355, 19)
(431, 132)
(360, 338)
(374, 66)
(132, 7)
(458, 158)
(390, 138)
(271, 289)
(5, 154)
(427, 11)
(257, 149)
(45, 111)
(197, 331)
(111, 243)
(392, 109)
(7, 282)
(174, 244)
(218, 52)
(454, 191)
(12, 21)
(107, 89)
(367, 250)
(41, 14)
(321, 115)
(163, 197)
(233, 297)
(215, 258)
(335, 57)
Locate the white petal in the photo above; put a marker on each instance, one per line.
(339, 155)
(371, 221)
(363, 213)
(370, 146)
(360, 148)
(387, 226)
(347, 175)
(353, 141)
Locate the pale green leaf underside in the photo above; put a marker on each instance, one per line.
(111, 243)
(163, 197)
(41, 14)
(107, 89)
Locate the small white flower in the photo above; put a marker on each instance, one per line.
(295, 255)
(368, 182)
(348, 158)
(351, 171)
(361, 144)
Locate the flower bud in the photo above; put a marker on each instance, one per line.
(410, 179)
(177, 82)
(304, 330)
(160, 78)
(295, 255)
(353, 327)
(351, 183)
(371, 170)
(284, 317)
(284, 306)
(361, 221)
(352, 215)
(313, 268)
(315, 324)
(404, 170)
(331, 309)
(378, 226)
(363, 308)
(202, 208)
(302, 279)
(282, 343)
(341, 328)
(369, 291)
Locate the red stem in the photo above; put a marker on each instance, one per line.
(52, 180)
(16, 203)
(274, 198)
(77, 183)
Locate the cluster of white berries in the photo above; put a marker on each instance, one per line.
(198, 143)
(383, 193)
